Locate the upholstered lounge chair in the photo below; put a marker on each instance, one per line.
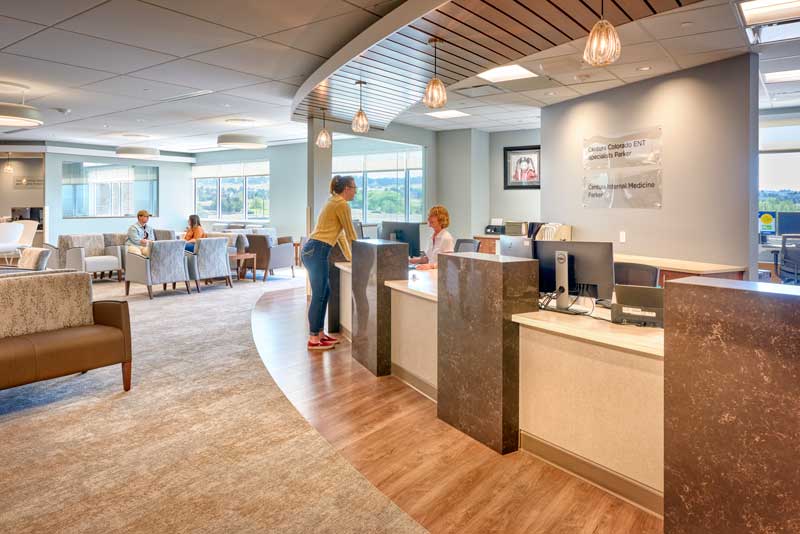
(87, 252)
(270, 256)
(166, 265)
(209, 260)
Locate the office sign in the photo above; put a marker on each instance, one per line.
(622, 188)
(766, 222)
(636, 149)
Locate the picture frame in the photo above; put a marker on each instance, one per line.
(522, 167)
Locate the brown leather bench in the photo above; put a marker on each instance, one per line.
(54, 329)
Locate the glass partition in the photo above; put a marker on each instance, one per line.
(108, 190)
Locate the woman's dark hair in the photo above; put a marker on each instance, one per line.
(339, 183)
(194, 221)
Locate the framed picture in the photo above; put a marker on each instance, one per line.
(521, 167)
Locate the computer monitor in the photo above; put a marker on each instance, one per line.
(517, 246)
(591, 267)
(403, 232)
(789, 222)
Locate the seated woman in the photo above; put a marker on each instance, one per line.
(193, 232)
(441, 241)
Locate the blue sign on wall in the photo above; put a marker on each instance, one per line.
(767, 222)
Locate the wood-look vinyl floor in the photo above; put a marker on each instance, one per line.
(444, 479)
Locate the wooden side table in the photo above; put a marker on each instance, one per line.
(241, 264)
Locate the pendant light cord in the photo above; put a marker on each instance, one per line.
(602, 10)
(434, 58)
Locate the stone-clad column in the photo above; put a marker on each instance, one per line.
(374, 262)
(731, 407)
(478, 344)
(334, 278)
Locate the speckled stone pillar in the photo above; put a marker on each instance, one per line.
(334, 324)
(374, 262)
(478, 345)
(731, 407)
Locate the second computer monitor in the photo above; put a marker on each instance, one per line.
(591, 267)
(516, 245)
(403, 232)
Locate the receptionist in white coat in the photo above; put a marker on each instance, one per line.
(441, 240)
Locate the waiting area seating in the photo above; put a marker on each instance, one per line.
(167, 264)
(88, 253)
(789, 270)
(209, 261)
(272, 255)
(68, 335)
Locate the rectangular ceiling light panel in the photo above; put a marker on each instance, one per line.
(767, 11)
(448, 114)
(506, 73)
(782, 76)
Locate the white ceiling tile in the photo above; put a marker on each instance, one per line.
(259, 17)
(584, 76)
(147, 26)
(200, 75)
(325, 38)
(633, 71)
(594, 87)
(12, 30)
(269, 92)
(45, 11)
(44, 77)
(553, 95)
(82, 104)
(705, 42)
(631, 34)
(642, 52)
(139, 88)
(83, 51)
(697, 21)
(694, 60)
(263, 58)
(379, 8)
(566, 49)
(507, 98)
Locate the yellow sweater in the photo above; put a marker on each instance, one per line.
(335, 225)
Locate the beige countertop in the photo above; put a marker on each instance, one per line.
(423, 284)
(647, 341)
(684, 266)
(344, 266)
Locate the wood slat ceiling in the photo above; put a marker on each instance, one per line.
(476, 35)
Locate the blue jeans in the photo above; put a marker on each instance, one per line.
(189, 247)
(315, 258)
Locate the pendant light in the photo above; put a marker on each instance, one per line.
(8, 168)
(360, 121)
(324, 139)
(19, 115)
(242, 141)
(435, 92)
(603, 46)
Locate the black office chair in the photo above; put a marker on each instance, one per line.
(359, 228)
(635, 274)
(467, 245)
(789, 271)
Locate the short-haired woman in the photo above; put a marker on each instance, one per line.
(193, 232)
(334, 224)
(441, 240)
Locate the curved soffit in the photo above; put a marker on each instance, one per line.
(394, 58)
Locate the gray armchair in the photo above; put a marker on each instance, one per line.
(167, 264)
(270, 256)
(164, 235)
(87, 252)
(33, 258)
(789, 269)
(209, 260)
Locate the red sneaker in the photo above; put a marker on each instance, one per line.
(322, 345)
(329, 339)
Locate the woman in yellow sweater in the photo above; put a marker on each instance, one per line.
(193, 232)
(334, 224)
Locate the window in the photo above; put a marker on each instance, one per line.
(232, 191)
(391, 185)
(779, 188)
(107, 190)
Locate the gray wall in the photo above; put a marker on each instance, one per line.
(20, 198)
(287, 182)
(520, 205)
(709, 119)
(175, 198)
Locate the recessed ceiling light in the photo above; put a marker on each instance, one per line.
(506, 73)
(550, 93)
(767, 11)
(686, 25)
(782, 76)
(644, 69)
(448, 114)
(242, 141)
(239, 121)
(226, 105)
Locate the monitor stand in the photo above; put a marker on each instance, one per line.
(562, 280)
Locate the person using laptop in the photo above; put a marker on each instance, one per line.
(441, 240)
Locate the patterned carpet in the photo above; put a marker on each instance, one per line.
(204, 441)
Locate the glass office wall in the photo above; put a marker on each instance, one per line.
(108, 190)
(390, 180)
(779, 189)
(232, 191)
